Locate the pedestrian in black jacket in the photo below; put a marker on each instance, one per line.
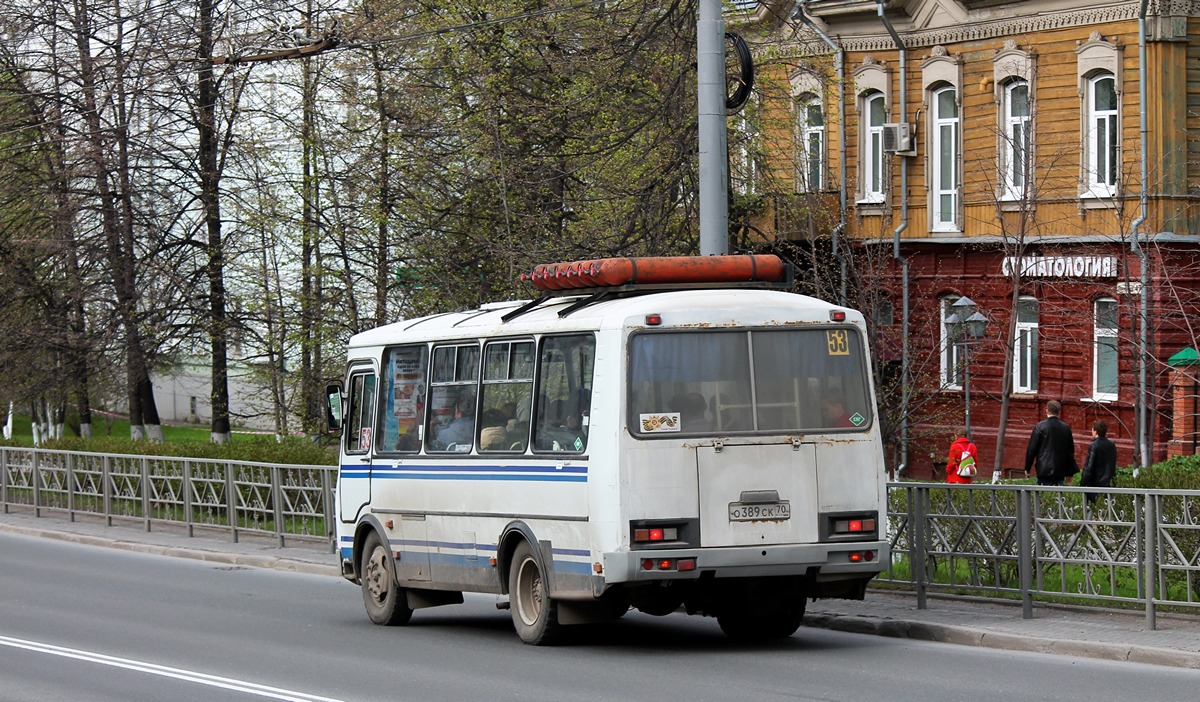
(1100, 466)
(1052, 448)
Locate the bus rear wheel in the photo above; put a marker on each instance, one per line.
(534, 614)
(385, 600)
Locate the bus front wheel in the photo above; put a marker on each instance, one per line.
(386, 602)
(534, 614)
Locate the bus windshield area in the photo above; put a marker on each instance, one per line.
(748, 381)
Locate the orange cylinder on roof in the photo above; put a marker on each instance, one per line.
(658, 270)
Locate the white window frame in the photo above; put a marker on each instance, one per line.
(945, 168)
(871, 171)
(1103, 334)
(1025, 349)
(951, 369)
(1015, 155)
(1103, 138)
(810, 140)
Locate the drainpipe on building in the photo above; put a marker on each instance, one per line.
(905, 361)
(1134, 244)
(840, 58)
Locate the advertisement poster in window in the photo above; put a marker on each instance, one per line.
(406, 401)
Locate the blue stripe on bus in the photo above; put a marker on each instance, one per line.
(527, 473)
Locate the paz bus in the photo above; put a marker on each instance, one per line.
(663, 434)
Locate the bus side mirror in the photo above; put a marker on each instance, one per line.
(333, 407)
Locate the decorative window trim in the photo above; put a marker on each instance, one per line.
(1010, 66)
(1010, 190)
(1094, 57)
(811, 145)
(939, 71)
(871, 78)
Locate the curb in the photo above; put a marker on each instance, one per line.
(974, 636)
(199, 554)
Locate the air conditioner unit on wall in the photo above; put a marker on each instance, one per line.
(898, 139)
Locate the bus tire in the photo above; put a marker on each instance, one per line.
(385, 600)
(534, 614)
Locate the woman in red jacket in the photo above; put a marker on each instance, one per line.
(960, 449)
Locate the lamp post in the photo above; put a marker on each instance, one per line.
(966, 325)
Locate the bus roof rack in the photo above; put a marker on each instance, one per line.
(601, 279)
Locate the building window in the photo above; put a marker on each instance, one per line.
(743, 156)
(1103, 136)
(944, 158)
(811, 140)
(1025, 346)
(1104, 363)
(871, 162)
(1015, 148)
(952, 365)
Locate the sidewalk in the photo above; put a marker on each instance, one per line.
(970, 621)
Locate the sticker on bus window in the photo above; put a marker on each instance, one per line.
(364, 441)
(659, 422)
(838, 342)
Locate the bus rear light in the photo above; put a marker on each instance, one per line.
(648, 564)
(869, 555)
(853, 525)
(666, 564)
(837, 316)
(856, 556)
(687, 564)
(653, 320)
(655, 534)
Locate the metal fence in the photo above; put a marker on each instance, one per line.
(1137, 547)
(284, 501)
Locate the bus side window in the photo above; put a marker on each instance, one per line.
(564, 377)
(403, 405)
(507, 391)
(453, 390)
(358, 418)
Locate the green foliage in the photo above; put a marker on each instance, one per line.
(1179, 473)
(290, 451)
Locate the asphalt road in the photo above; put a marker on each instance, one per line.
(87, 623)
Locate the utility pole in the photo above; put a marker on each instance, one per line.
(714, 153)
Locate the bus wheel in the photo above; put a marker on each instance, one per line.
(779, 623)
(386, 601)
(534, 614)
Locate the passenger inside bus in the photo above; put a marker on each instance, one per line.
(493, 435)
(693, 411)
(457, 435)
(833, 410)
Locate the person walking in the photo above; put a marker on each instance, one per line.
(1052, 448)
(960, 465)
(1100, 466)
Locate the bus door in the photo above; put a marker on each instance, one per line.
(354, 473)
(757, 494)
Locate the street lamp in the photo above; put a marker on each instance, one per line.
(966, 326)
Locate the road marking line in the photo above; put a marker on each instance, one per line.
(165, 671)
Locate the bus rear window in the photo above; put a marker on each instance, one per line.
(760, 381)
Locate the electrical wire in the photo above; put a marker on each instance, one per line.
(745, 77)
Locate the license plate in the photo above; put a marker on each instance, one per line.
(760, 511)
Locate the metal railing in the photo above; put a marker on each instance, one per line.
(1130, 546)
(1138, 547)
(284, 501)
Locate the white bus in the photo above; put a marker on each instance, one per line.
(711, 447)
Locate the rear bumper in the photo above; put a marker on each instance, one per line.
(817, 560)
